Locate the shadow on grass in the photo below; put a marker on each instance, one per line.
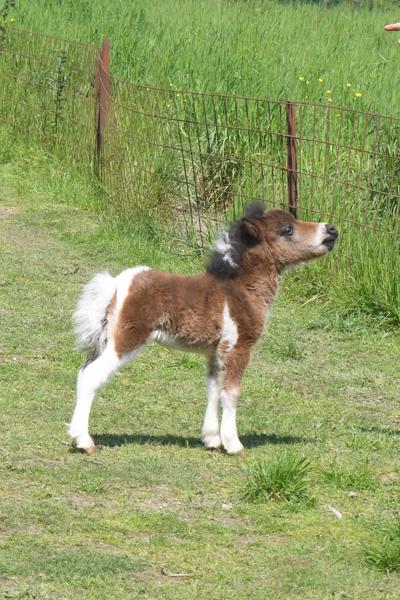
(249, 440)
(384, 430)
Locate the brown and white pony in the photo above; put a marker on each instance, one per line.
(220, 313)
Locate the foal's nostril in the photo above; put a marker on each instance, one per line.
(331, 229)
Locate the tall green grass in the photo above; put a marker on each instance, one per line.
(256, 48)
(300, 51)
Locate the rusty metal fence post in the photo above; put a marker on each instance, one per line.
(291, 159)
(103, 95)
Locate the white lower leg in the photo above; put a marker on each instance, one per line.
(210, 430)
(90, 379)
(78, 428)
(229, 436)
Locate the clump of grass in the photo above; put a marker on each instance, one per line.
(347, 479)
(283, 479)
(384, 553)
(290, 350)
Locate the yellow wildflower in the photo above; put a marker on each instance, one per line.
(301, 78)
(307, 82)
(358, 94)
(348, 84)
(329, 91)
(330, 100)
(321, 80)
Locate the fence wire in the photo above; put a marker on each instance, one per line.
(200, 158)
(192, 161)
(48, 93)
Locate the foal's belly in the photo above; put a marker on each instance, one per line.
(170, 341)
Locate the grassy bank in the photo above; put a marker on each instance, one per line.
(258, 48)
(152, 514)
(179, 162)
(362, 282)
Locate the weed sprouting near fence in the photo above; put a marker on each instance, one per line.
(188, 162)
(48, 93)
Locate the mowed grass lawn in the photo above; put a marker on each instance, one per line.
(152, 514)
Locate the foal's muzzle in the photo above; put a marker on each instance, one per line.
(331, 237)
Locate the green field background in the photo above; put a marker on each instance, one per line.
(337, 56)
(245, 48)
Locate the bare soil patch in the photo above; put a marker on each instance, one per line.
(7, 211)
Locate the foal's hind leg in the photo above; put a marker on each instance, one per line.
(210, 430)
(90, 379)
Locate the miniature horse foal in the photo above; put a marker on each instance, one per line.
(220, 313)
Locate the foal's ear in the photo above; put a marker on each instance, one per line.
(252, 229)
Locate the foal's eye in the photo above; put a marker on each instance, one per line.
(287, 231)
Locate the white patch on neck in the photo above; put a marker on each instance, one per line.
(229, 332)
(223, 246)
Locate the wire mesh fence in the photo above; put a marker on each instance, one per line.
(200, 158)
(191, 161)
(48, 92)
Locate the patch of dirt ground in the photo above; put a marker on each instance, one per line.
(7, 211)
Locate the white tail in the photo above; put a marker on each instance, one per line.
(90, 313)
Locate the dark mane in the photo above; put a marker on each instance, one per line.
(226, 256)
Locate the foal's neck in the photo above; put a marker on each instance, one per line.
(260, 286)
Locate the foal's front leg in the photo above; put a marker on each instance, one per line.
(210, 430)
(234, 363)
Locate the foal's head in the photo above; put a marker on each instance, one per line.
(274, 237)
